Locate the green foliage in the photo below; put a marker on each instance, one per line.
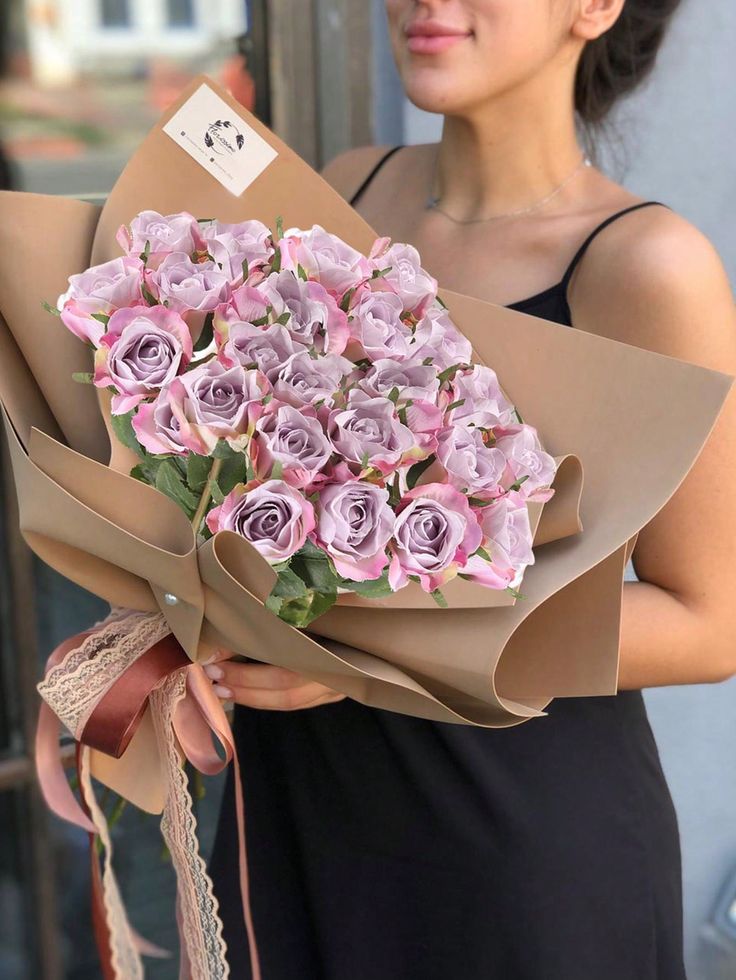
(170, 481)
(122, 426)
(205, 338)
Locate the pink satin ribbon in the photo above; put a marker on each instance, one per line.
(198, 719)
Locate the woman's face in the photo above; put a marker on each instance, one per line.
(455, 54)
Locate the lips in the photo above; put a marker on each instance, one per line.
(431, 37)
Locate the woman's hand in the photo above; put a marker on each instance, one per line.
(263, 686)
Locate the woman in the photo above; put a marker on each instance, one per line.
(385, 847)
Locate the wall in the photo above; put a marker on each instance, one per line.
(674, 141)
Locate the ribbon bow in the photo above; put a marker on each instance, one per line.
(103, 685)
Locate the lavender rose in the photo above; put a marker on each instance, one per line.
(246, 244)
(435, 533)
(526, 458)
(187, 285)
(163, 233)
(437, 338)
(302, 380)
(469, 463)
(415, 287)
(324, 257)
(368, 433)
(354, 525)
(268, 348)
(208, 403)
(376, 325)
(294, 439)
(101, 289)
(315, 319)
(482, 401)
(413, 380)
(274, 517)
(144, 349)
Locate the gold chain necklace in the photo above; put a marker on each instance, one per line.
(433, 202)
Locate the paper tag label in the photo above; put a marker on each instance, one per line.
(219, 140)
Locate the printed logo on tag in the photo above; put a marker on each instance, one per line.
(219, 140)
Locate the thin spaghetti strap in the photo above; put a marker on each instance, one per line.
(372, 173)
(581, 251)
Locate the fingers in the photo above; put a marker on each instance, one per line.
(265, 686)
(290, 699)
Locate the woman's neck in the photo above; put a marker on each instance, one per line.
(504, 156)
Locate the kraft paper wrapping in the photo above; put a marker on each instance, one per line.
(624, 424)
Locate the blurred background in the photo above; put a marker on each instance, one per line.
(81, 81)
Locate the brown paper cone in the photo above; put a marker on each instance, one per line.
(485, 660)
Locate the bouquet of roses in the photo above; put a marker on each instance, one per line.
(328, 411)
(332, 444)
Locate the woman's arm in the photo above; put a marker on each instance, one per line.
(655, 281)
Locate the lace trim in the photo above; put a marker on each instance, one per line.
(201, 927)
(126, 961)
(73, 688)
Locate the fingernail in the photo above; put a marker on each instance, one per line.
(214, 672)
(222, 692)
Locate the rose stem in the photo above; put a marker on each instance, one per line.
(206, 494)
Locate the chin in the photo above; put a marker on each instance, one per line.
(441, 95)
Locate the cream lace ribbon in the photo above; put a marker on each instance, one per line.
(73, 688)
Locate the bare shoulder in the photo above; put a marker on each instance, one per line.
(345, 171)
(653, 279)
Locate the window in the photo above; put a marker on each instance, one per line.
(180, 13)
(115, 13)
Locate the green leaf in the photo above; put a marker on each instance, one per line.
(515, 486)
(449, 373)
(145, 253)
(245, 269)
(276, 261)
(377, 588)
(442, 304)
(482, 553)
(223, 450)
(518, 415)
(514, 592)
(377, 273)
(345, 301)
(302, 611)
(146, 470)
(83, 377)
(101, 318)
(216, 493)
(277, 470)
(283, 319)
(439, 598)
(427, 362)
(289, 585)
(205, 338)
(50, 309)
(394, 395)
(234, 471)
(315, 569)
(148, 295)
(198, 469)
(301, 272)
(279, 227)
(416, 470)
(457, 404)
(170, 482)
(122, 426)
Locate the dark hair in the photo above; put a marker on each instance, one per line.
(613, 64)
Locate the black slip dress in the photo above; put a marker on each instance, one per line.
(386, 847)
